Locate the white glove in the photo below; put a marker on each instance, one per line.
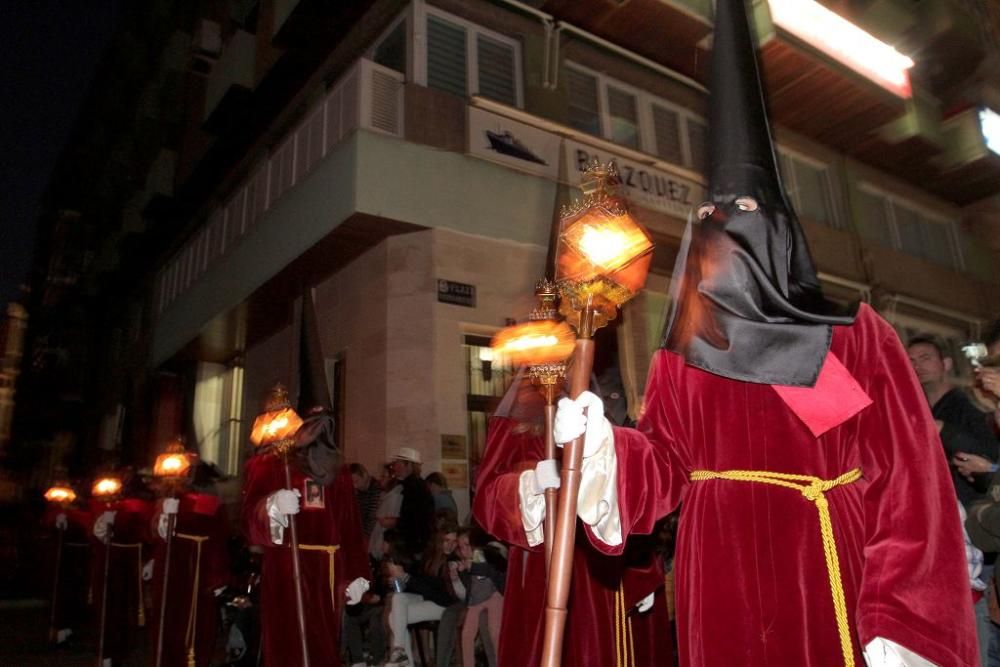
(287, 502)
(162, 523)
(147, 570)
(171, 505)
(61, 522)
(882, 652)
(103, 524)
(547, 475)
(356, 589)
(570, 422)
(646, 603)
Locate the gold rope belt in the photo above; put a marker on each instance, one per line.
(813, 489)
(138, 557)
(192, 626)
(330, 551)
(624, 641)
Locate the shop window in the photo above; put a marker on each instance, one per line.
(487, 378)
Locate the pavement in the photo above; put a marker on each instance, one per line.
(24, 628)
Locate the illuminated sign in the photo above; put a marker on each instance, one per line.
(844, 42)
(989, 125)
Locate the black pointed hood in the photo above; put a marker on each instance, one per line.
(747, 302)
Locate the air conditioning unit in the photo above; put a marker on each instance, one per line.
(205, 46)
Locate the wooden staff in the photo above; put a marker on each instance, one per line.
(53, 631)
(104, 594)
(551, 495)
(300, 609)
(561, 569)
(171, 524)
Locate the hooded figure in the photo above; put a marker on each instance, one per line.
(332, 553)
(747, 303)
(819, 524)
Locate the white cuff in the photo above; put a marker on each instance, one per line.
(598, 501)
(276, 520)
(882, 652)
(532, 508)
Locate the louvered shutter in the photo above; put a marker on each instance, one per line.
(666, 129)
(446, 68)
(622, 109)
(584, 112)
(385, 102)
(496, 70)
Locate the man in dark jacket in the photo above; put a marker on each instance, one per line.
(416, 515)
(964, 428)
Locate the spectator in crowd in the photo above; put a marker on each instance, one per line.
(964, 428)
(368, 492)
(484, 574)
(387, 513)
(444, 503)
(419, 591)
(416, 514)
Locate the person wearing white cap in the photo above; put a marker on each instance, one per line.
(416, 515)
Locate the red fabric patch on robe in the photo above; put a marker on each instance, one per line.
(835, 398)
(205, 503)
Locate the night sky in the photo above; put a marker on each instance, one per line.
(49, 50)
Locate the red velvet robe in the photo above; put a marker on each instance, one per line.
(752, 584)
(189, 601)
(74, 575)
(336, 523)
(125, 611)
(603, 629)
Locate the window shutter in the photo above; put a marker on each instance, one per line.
(666, 128)
(496, 71)
(446, 68)
(386, 103)
(624, 117)
(584, 112)
(908, 224)
(812, 186)
(697, 144)
(873, 217)
(938, 244)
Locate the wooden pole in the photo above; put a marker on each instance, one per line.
(551, 495)
(53, 631)
(300, 609)
(171, 524)
(104, 594)
(561, 570)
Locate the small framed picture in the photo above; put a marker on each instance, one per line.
(313, 495)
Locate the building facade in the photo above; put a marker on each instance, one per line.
(401, 163)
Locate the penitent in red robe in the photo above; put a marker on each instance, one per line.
(333, 554)
(74, 574)
(752, 584)
(199, 564)
(125, 611)
(603, 628)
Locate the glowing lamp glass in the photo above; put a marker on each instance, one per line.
(60, 495)
(602, 244)
(275, 426)
(532, 343)
(174, 464)
(106, 486)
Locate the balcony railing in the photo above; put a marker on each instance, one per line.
(369, 96)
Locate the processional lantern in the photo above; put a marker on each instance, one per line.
(106, 488)
(277, 425)
(175, 464)
(602, 259)
(603, 254)
(61, 494)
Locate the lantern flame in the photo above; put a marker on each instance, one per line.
(61, 495)
(107, 486)
(275, 426)
(538, 342)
